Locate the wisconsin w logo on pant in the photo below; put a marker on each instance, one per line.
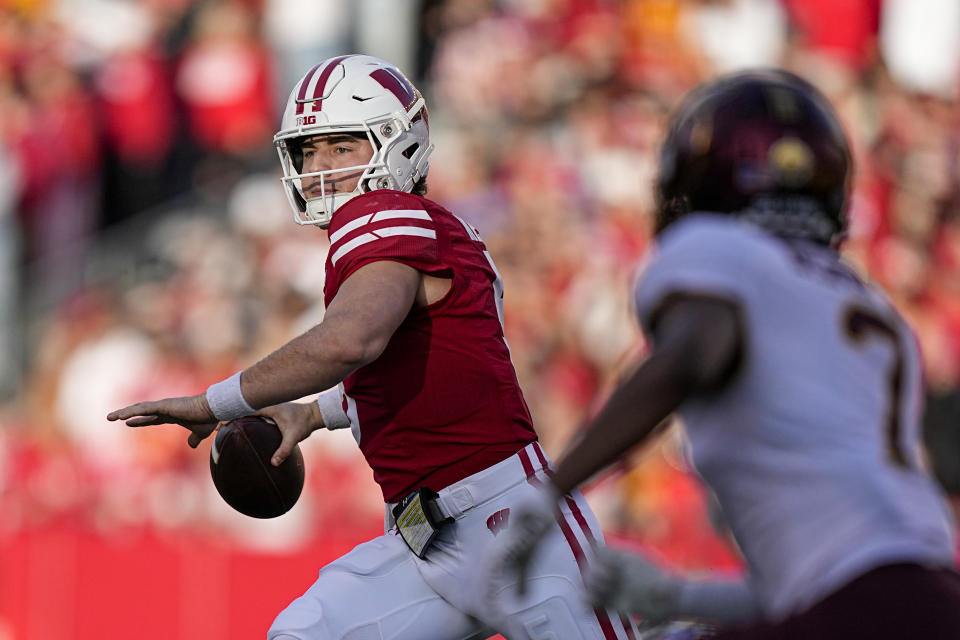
(498, 521)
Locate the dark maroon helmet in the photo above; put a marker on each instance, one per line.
(763, 145)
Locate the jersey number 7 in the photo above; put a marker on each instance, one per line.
(860, 324)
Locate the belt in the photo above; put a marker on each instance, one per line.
(454, 500)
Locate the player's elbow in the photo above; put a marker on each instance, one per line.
(351, 352)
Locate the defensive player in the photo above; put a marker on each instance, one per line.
(799, 386)
(413, 339)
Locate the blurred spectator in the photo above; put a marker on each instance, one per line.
(120, 355)
(387, 29)
(140, 127)
(49, 125)
(844, 32)
(736, 34)
(920, 43)
(11, 330)
(224, 79)
(302, 32)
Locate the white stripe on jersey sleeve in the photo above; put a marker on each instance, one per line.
(405, 231)
(380, 234)
(356, 223)
(389, 214)
(347, 247)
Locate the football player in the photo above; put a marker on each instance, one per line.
(798, 384)
(413, 341)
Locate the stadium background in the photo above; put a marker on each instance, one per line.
(146, 249)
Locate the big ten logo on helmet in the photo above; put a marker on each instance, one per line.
(302, 120)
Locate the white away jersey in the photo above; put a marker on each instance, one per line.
(813, 448)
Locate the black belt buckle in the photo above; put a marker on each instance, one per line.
(419, 519)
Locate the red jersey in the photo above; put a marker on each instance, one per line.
(442, 401)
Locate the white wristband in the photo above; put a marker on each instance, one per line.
(331, 408)
(226, 399)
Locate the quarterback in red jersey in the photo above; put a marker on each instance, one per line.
(412, 355)
(420, 395)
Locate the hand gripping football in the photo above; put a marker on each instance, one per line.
(242, 473)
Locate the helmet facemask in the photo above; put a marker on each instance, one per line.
(365, 98)
(318, 209)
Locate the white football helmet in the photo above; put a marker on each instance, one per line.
(361, 95)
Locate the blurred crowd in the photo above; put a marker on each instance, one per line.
(147, 250)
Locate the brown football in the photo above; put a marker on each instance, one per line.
(242, 473)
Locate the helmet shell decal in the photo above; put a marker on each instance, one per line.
(318, 89)
(398, 86)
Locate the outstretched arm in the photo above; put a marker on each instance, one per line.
(697, 343)
(355, 330)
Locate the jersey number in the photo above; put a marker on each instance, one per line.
(860, 324)
(497, 281)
